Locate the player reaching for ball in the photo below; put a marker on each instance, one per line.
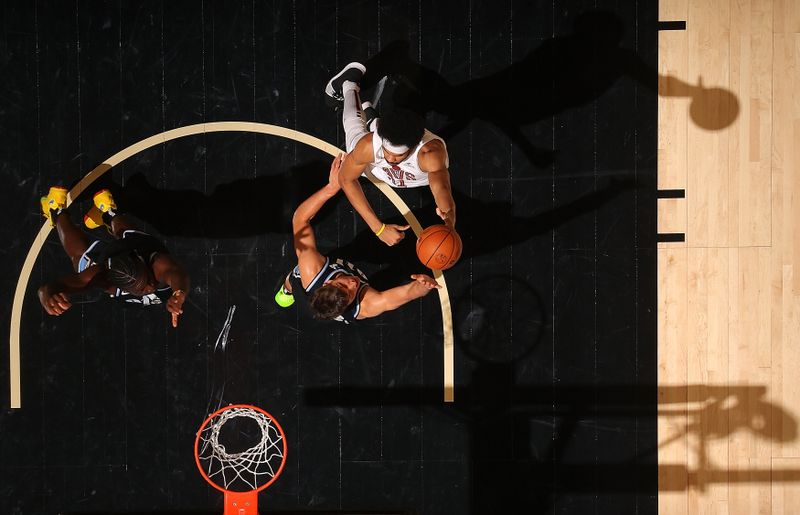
(398, 151)
(134, 267)
(335, 289)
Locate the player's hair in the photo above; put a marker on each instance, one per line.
(401, 127)
(127, 271)
(328, 302)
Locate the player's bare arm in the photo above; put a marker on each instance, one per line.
(352, 167)
(168, 271)
(54, 296)
(377, 302)
(309, 260)
(432, 158)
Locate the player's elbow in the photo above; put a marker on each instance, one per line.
(300, 220)
(347, 180)
(299, 229)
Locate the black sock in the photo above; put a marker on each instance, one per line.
(108, 216)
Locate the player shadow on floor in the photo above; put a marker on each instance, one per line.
(478, 224)
(265, 204)
(531, 446)
(561, 73)
(535, 437)
(241, 208)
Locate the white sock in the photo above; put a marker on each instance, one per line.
(349, 85)
(352, 121)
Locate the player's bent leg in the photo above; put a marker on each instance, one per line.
(352, 117)
(54, 208)
(72, 239)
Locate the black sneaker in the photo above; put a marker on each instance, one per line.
(370, 115)
(352, 72)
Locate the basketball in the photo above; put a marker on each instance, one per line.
(439, 247)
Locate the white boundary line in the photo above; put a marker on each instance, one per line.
(190, 130)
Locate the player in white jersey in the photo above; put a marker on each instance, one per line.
(399, 151)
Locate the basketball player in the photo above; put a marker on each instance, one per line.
(134, 267)
(398, 151)
(335, 289)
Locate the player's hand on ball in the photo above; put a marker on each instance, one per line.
(426, 281)
(392, 234)
(448, 217)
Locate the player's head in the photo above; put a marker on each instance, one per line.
(129, 273)
(401, 130)
(332, 298)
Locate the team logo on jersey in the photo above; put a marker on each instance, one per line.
(398, 176)
(340, 263)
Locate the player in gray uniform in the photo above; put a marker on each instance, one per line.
(331, 269)
(398, 151)
(336, 289)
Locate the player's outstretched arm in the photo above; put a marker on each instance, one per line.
(433, 160)
(309, 259)
(354, 163)
(54, 296)
(376, 302)
(168, 271)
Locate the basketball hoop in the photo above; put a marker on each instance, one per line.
(243, 459)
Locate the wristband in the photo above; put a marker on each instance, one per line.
(380, 231)
(178, 292)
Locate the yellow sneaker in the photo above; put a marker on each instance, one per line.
(94, 219)
(54, 202)
(104, 201)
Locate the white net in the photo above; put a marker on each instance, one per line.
(248, 469)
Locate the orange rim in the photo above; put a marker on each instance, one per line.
(226, 408)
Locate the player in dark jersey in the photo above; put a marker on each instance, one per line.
(336, 289)
(133, 267)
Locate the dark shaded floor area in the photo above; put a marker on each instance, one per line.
(550, 122)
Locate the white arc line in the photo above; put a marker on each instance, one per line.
(190, 130)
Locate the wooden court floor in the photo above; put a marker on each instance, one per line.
(729, 294)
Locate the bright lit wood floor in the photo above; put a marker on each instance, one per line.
(729, 295)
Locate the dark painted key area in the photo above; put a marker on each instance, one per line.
(549, 114)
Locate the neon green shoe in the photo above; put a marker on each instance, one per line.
(104, 201)
(283, 298)
(54, 202)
